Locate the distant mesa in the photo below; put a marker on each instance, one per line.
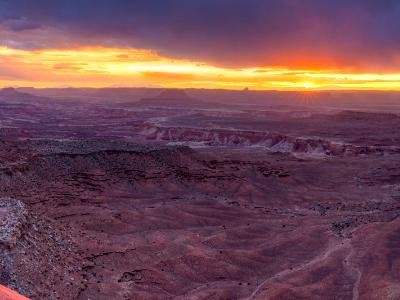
(174, 98)
(173, 94)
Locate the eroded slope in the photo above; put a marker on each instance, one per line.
(114, 220)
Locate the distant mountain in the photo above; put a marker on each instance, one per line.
(8, 91)
(13, 95)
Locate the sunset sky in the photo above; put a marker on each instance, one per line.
(232, 44)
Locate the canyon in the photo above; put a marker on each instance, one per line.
(106, 194)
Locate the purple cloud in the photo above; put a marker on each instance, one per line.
(360, 33)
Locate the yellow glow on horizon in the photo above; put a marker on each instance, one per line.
(102, 67)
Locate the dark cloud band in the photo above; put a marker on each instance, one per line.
(354, 33)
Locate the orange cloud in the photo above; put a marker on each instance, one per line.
(99, 67)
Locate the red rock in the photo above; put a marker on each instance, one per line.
(7, 294)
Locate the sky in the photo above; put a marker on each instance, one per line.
(232, 44)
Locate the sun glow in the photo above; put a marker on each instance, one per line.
(308, 85)
(99, 67)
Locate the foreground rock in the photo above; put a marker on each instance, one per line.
(7, 294)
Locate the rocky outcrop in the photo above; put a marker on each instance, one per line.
(13, 220)
(33, 255)
(273, 142)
